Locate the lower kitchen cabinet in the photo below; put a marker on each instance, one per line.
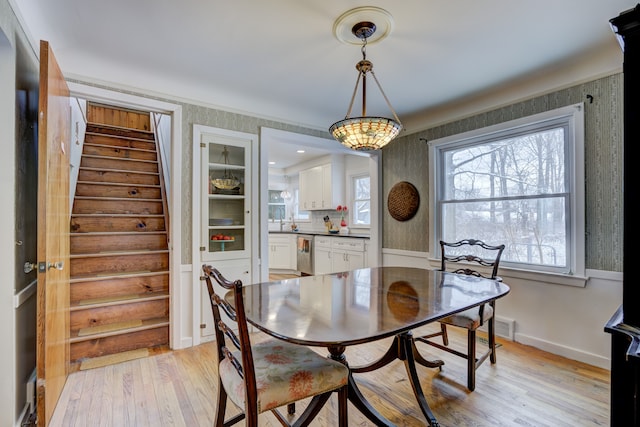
(282, 251)
(335, 254)
(322, 255)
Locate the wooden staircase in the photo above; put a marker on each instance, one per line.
(119, 239)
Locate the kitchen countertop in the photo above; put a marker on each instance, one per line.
(321, 233)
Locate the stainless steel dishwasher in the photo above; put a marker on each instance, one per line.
(304, 252)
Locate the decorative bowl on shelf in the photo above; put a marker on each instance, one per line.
(333, 231)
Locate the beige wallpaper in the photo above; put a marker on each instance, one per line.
(406, 159)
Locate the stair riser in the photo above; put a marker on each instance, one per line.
(118, 177)
(131, 119)
(119, 343)
(88, 244)
(118, 287)
(124, 191)
(88, 224)
(134, 207)
(115, 264)
(119, 152)
(116, 164)
(130, 134)
(92, 317)
(119, 142)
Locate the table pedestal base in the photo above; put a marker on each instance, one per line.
(402, 348)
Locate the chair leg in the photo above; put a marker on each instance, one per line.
(492, 339)
(471, 360)
(445, 337)
(291, 408)
(222, 405)
(343, 417)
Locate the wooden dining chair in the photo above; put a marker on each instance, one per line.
(477, 254)
(267, 375)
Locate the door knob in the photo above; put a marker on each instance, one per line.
(29, 267)
(57, 265)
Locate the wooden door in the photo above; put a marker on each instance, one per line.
(54, 125)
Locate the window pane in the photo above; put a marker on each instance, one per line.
(362, 188)
(277, 212)
(528, 164)
(362, 213)
(533, 230)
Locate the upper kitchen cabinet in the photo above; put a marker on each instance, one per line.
(225, 196)
(322, 187)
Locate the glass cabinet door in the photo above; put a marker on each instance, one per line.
(226, 184)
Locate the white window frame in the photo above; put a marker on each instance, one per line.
(352, 206)
(573, 116)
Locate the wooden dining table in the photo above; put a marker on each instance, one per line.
(364, 305)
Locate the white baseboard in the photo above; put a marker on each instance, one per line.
(568, 352)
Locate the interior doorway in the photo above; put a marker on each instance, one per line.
(178, 338)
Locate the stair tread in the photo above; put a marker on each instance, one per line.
(123, 215)
(145, 324)
(122, 299)
(110, 253)
(111, 359)
(118, 233)
(100, 277)
(122, 159)
(116, 198)
(118, 184)
(120, 147)
(87, 168)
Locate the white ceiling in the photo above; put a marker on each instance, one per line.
(279, 58)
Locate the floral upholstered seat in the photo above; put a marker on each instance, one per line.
(285, 373)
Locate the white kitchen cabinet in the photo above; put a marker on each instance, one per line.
(322, 255)
(336, 254)
(311, 189)
(347, 253)
(282, 251)
(322, 187)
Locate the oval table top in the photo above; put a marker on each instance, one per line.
(362, 305)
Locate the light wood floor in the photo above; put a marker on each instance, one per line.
(527, 387)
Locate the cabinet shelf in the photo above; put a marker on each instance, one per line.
(226, 196)
(222, 166)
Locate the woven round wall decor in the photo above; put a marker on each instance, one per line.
(403, 201)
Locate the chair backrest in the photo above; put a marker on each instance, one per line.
(470, 251)
(227, 342)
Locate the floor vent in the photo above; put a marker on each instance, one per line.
(505, 328)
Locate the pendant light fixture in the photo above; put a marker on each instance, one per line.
(365, 132)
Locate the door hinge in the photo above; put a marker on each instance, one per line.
(202, 249)
(203, 145)
(203, 325)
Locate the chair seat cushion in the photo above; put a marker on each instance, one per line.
(285, 373)
(469, 319)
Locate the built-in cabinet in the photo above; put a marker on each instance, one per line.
(335, 254)
(322, 187)
(223, 191)
(226, 199)
(282, 251)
